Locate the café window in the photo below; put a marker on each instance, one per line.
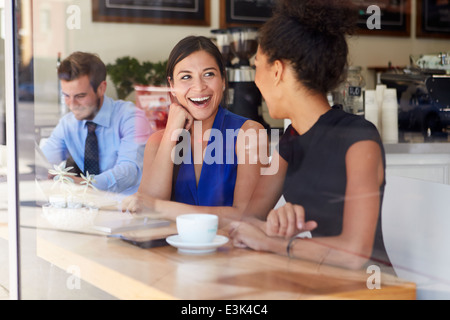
(67, 248)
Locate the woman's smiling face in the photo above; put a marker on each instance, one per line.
(198, 85)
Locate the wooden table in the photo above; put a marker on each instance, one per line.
(129, 272)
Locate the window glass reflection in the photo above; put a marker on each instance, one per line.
(61, 258)
(4, 262)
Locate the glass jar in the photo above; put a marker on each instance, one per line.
(354, 90)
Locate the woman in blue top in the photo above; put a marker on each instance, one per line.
(200, 160)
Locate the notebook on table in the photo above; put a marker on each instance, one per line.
(148, 238)
(125, 225)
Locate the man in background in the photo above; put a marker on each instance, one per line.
(100, 136)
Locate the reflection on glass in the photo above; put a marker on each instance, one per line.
(62, 255)
(4, 261)
(46, 272)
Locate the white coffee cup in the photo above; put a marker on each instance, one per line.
(197, 228)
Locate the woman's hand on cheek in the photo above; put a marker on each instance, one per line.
(179, 118)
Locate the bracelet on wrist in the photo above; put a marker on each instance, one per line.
(290, 245)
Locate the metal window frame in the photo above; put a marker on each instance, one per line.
(11, 85)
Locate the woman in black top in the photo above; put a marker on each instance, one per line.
(331, 163)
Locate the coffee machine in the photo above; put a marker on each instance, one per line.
(223, 42)
(423, 95)
(244, 97)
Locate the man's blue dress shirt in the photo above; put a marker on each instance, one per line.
(122, 131)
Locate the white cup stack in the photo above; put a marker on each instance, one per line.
(380, 97)
(389, 116)
(371, 108)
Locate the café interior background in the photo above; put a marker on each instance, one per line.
(46, 22)
(152, 42)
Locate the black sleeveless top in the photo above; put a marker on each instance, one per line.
(316, 177)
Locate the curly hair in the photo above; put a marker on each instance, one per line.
(311, 35)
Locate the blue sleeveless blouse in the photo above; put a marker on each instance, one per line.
(219, 170)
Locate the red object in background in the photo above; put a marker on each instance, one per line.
(155, 101)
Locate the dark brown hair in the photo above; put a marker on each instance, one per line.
(190, 45)
(80, 64)
(311, 36)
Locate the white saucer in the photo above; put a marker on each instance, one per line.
(196, 248)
